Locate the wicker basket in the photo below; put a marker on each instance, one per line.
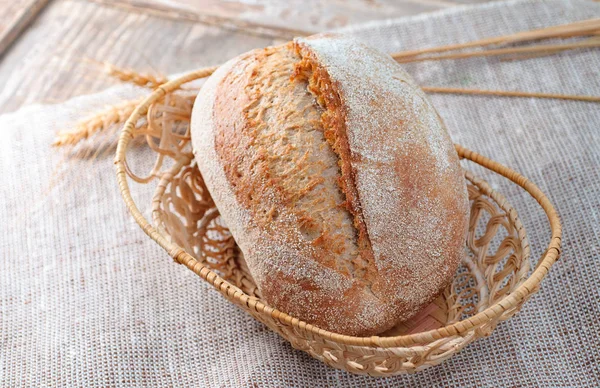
(491, 284)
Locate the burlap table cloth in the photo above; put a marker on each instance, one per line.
(86, 299)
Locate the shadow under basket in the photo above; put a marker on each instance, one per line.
(491, 284)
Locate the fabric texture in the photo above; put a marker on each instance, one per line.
(87, 299)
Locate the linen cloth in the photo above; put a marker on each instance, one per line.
(87, 299)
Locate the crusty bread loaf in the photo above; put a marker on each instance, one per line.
(337, 179)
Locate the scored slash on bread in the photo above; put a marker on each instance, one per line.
(337, 179)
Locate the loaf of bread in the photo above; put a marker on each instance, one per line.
(337, 179)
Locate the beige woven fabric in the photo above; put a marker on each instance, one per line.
(86, 299)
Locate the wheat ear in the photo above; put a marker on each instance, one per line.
(113, 115)
(132, 76)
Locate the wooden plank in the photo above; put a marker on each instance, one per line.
(179, 11)
(291, 18)
(15, 16)
(49, 62)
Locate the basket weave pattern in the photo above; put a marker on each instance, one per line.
(491, 285)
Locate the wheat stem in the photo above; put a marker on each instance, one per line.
(520, 57)
(513, 50)
(505, 93)
(581, 28)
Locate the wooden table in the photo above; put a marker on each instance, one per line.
(48, 47)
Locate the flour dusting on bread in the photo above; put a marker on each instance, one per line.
(396, 140)
(337, 179)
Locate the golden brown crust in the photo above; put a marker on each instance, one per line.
(332, 228)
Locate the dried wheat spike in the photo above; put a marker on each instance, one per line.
(132, 76)
(113, 115)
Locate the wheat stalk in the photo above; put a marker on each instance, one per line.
(520, 57)
(134, 77)
(548, 49)
(112, 115)
(505, 93)
(570, 30)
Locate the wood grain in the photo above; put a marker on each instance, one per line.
(178, 11)
(15, 16)
(291, 17)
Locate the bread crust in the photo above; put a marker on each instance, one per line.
(352, 236)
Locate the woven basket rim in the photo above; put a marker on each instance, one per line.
(494, 311)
